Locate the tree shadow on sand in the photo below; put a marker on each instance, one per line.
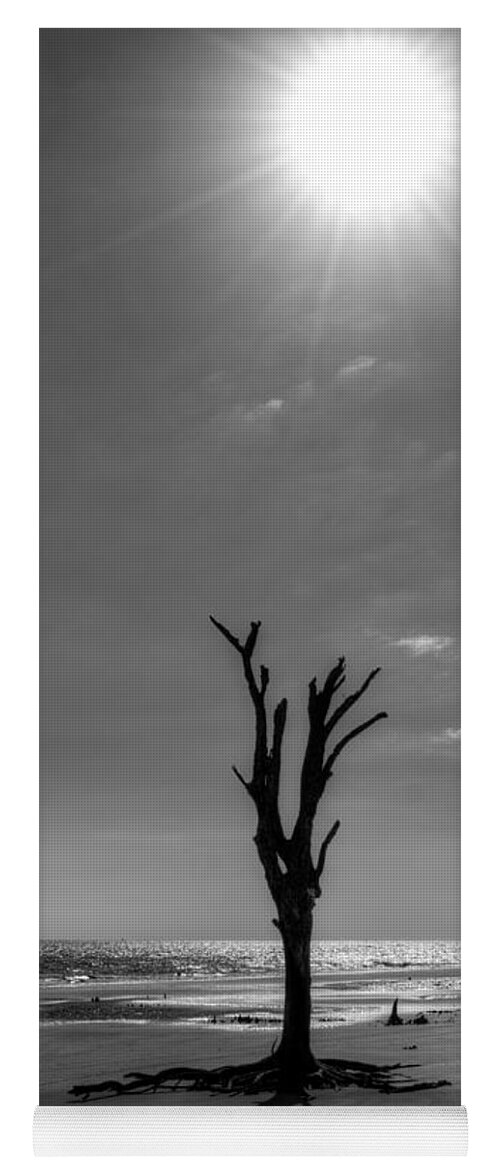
(287, 1087)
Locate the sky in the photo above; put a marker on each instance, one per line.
(249, 404)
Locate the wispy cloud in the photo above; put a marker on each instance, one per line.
(417, 743)
(449, 736)
(359, 366)
(425, 644)
(251, 422)
(273, 404)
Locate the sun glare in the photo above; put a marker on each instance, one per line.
(366, 125)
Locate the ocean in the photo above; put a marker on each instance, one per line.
(123, 959)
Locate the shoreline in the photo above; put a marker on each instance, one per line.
(338, 999)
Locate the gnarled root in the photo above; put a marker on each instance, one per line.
(287, 1086)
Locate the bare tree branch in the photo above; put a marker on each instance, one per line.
(315, 773)
(279, 721)
(346, 739)
(256, 693)
(264, 786)
(333, 681)
(240, 778)
(252, 638)
(313, 695)
(227, 634)
(349, 702)
(323, 851)
(273, 779)
(246, 652)
(318, 704)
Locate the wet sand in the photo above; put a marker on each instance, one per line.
(337, 998)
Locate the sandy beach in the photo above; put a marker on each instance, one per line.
(150, 1025)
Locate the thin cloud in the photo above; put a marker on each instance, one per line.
(421, 743)
(263, 412)
(359, 366)
(450, 736)
(425, 644)
(255, 422)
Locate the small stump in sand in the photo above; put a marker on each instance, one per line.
(394, 1018)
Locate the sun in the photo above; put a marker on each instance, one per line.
(367, 124)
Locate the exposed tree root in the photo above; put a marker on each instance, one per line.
(287, 1086)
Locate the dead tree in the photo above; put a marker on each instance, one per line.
(293, 878)
(292, 875)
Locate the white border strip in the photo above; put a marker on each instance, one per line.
(250, 1130)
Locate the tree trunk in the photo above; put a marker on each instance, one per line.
(294, 1051)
